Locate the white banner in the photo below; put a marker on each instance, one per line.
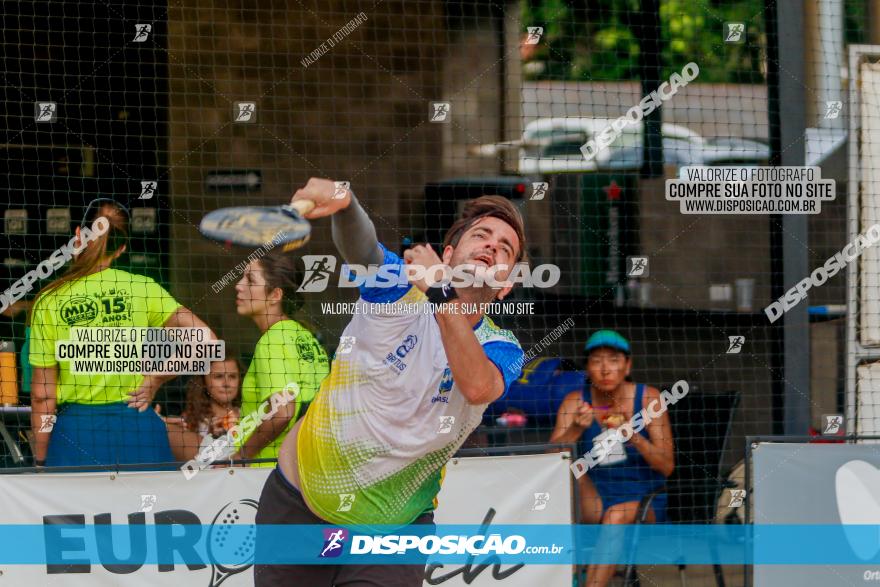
(213, 497)
(529, 489)
(533, 489)
(820, 486)
(867, 401)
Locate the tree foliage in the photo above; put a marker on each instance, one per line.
(595, 40)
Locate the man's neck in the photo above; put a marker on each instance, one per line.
(473, 299)
(474, 319)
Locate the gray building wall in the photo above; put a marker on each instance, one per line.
(360, 113)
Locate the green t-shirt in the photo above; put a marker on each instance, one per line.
(286, 353)
(107, 298)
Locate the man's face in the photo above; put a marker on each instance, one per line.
(487, 243)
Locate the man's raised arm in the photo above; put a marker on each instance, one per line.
(353, 232)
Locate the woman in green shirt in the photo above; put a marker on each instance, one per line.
(287, 353)
(102, 418)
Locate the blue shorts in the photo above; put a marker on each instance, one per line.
(613, 494)
(108, 434)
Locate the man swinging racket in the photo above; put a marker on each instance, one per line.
(372, 447)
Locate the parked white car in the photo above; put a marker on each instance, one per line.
(553, 145)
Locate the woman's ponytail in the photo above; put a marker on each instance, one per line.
(104, 232)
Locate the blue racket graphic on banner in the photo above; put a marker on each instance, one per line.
(235, 552)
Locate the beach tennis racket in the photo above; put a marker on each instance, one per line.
(255, 226)
(232, 540)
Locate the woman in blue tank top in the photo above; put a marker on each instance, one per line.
(610, 491)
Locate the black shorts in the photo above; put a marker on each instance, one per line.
(282, 503)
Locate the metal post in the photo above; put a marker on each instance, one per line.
(873, 22)
(649, 33)
(788, 233)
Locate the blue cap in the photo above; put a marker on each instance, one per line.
(607, 339)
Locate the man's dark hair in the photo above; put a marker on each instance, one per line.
(488, 207)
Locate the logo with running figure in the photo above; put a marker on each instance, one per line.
(346, 345)
(346, 500)
(534, 35)
(45, 111)
(340, 189)
(47, 422)
(148, 190)
(245, 112)
(737, 497)
(334, 540)
(833, 424)
(539, 190)
(148, 501)
(142, 32)
(735, 32)
(736, 344)
(446, 424)
(319, 268)
(439, 111)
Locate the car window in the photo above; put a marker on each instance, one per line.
(564, 149)
(675, 152)
(553, 132)
(736, 162)
(628, 140)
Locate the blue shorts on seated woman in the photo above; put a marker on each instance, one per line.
(625, 476)
(108, 434)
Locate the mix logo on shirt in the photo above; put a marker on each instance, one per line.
(113, 305)
(79, 310)
(309, 349)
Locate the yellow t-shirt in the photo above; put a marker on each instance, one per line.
(107, 298)
(286, 353)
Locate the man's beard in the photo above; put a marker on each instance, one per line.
(482, 294)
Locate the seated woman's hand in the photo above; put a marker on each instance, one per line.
(583, 418)
(172, 420)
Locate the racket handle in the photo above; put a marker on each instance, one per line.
(303, 206)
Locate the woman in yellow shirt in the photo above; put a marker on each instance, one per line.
(102, 418)
(286, 353)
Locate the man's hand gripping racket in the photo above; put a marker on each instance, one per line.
(289, 226)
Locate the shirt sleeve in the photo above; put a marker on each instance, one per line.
(508, 357)
(43, 334)
(160, 304)
(289, 357)
(388, 285)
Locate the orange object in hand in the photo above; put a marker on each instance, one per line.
(230, 420)
(8, 374)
